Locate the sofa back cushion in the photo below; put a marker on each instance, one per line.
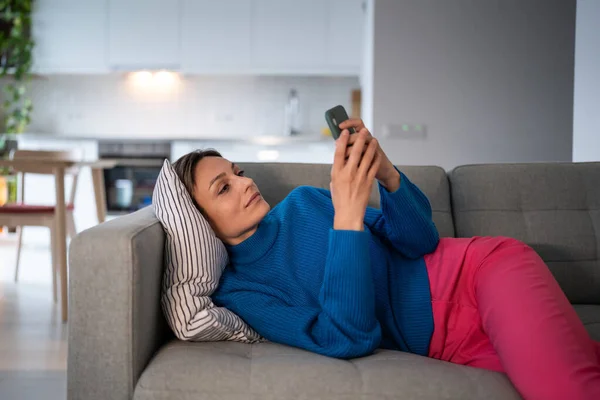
(276, 180)
(553, 207)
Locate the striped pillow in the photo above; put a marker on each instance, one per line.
(195, 259)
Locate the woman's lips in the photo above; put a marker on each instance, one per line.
(253, 199)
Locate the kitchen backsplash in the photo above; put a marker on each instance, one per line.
(163, 106)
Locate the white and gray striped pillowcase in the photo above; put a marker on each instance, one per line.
(194, 260)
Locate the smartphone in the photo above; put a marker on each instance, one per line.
(334, 117)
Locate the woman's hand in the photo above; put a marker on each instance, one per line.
(352, 179)
(387, 175)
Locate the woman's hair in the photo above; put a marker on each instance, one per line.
(185, 168)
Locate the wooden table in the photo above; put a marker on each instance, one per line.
(59, 168)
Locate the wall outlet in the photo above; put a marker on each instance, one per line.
(404, 131)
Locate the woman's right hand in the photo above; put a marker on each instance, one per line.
(352, 180)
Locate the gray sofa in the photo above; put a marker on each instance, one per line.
(121, 348)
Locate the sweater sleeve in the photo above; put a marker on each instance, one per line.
(342, 325)
(405, 220)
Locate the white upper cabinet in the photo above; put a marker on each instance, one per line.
(271, 37)
(346, 35)
(216, 36)
(289, 36)
(70, 36)
(279, 37)
(144, 34)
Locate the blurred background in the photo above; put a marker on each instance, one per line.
(438, 82)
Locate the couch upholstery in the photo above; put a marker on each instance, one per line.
(555, 208)
(121, 348)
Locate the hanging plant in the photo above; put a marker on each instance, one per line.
(16, 59)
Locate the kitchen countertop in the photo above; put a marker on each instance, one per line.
(258, 140)
(302, 148)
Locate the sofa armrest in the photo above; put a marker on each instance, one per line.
(115, 319)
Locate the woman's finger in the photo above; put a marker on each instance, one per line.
(374, 166)
(367, 159)
(353, 137)
(356, 151)
(355, 123)
(339, 157)
(349, 149)
(363, 129)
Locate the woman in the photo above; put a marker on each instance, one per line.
(324, 272)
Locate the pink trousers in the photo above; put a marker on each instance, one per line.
(497, 306)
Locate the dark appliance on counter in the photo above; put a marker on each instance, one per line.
(129, 185)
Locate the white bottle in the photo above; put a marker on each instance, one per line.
(291, 119)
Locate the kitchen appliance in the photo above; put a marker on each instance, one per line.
(130, 183)
(123, 193)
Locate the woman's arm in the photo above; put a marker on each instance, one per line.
(405, 219)
(342, 325)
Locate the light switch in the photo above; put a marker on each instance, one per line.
(404, 131)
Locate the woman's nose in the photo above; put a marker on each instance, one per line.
(247, 182)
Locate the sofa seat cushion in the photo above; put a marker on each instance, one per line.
(228, 370)
(590, 315)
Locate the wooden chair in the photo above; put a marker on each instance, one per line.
(22, 214)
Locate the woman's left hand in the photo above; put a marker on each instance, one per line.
(387, 175)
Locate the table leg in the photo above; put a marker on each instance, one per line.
(61, 240)
(99, 193)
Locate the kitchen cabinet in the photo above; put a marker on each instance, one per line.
(215, 36)
(144, 34)
(346, 35)
(288, 36)
(265, 37)
(307, 37)
(70, 36)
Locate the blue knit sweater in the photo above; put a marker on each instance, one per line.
(339, 293)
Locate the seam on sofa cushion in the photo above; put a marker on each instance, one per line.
(521, 164)
(343, 395)
(595, 233)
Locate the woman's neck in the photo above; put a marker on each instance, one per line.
(239, 239)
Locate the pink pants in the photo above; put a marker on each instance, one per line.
(497, 306)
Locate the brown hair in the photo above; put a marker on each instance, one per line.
(185, 168)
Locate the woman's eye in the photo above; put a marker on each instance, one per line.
(241, 173)
(224, 189)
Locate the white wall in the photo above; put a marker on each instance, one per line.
(492, 80)
(586, 123)
(192, 107)
(366, 78)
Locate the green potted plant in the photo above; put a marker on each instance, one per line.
(16, 59)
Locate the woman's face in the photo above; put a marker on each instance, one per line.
(231, 202)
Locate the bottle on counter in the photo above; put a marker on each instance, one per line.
(291, 120)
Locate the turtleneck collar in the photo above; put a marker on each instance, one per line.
(256, 246)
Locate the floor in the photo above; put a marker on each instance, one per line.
(33, 341)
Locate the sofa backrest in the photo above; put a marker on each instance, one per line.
(276, 180)
(553, 207)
